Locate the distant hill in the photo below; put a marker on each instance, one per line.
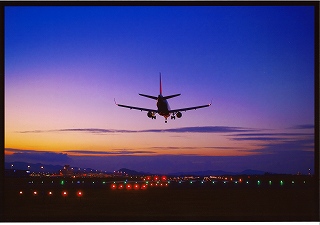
(132, 172)
(197, 173)
(39, 167)
(36, 167)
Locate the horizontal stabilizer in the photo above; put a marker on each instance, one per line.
(171, 96)
(149, 96)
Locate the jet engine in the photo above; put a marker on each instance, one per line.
(151, 115)
(179, 114)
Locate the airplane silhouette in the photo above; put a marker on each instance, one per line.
(163, 106)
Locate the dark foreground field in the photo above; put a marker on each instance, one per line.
(167, 204)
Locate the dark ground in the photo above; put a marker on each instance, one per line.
(161, 204)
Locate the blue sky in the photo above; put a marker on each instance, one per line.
(65, 65)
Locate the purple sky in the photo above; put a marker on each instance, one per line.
(65, 65)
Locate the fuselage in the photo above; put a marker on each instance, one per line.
(163, 106)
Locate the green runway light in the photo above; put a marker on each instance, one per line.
(270, 182)
(259, 182)
(62, 182)
(281, 183)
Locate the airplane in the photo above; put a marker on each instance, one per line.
(163, 106)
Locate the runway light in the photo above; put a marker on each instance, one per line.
(259, 182)
(270, 182)
(113, 186)
(281, 182)
(64, 194)
(129, 187)
(79, 193)
(50, 193)
(35, 193)
(20, 192)
(163, 178)
(143, 187)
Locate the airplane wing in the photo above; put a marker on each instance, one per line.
(137, 108)
(190, 108)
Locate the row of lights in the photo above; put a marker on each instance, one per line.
(128, 186)
(50, 193)
(247, 182)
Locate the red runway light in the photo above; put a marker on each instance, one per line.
(129, 186)
(64, 193)
(20, 192)
(79, 193)
(143, 187)
(113, 186)
(120, 186)
(136, 187)
(50, 193)
(35, 193)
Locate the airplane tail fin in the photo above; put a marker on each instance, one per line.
(169, 96)
(160, 85)
(156, 98)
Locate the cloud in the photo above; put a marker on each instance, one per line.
(257, 139)
(200, 129)
(272, 134)
(117, 152)
(33, 156)
(257, 136)
(303, 126)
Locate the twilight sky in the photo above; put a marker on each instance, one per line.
(65, 65)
